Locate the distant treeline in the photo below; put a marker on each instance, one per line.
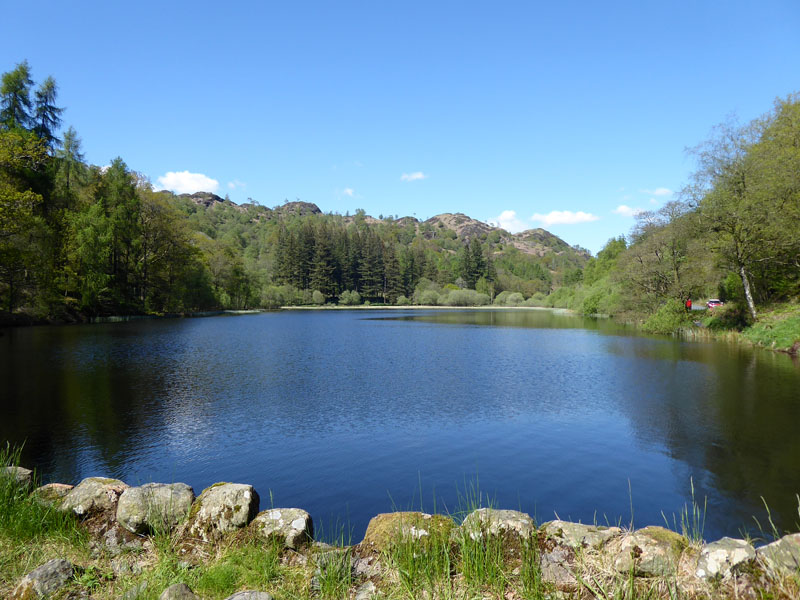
(78, 240)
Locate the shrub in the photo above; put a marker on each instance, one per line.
(670, 317)
(426, 298)
(318, 298)
(403, 301)
(349, 298)
(465, 298)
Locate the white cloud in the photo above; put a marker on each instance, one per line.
(662, 191)
(415, 176)
(626, 211)
(564, 217)
(349, 192)
(508, 220)
(232, 185)
(184, 182)
(653, 201)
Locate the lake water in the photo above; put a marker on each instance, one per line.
(351, 413)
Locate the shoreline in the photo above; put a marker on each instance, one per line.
(146, 539)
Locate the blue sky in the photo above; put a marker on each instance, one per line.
(534, 114)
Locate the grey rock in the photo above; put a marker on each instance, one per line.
(368, 566)
(44, 580)
(718, 558)
(123, 566)
(114, 541)
(292, 526)
(22, 475)
(577, 535)
(154, 507)
(782, 555)
(136, 592)
(498, 522)
(94, 495)
(221, 508)
(366, 591)
(53, 493)
(555, 566)
(250, 596)
(178, 591)
(652, 551)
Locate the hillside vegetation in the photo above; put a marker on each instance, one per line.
(78, 241)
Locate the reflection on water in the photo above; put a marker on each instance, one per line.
(346, 413)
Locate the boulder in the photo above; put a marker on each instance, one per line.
(577, 535)
(44, 580)
(154, 507)
(22, 475)
(506, 523)
(53, 493)
(292, 526)
(250, 596)
(556, 569)
(652, 551)
(388, 528)
(783, 555)
(718, 558)
(366, 591)
(178, 591)
(221, 508)
(94, 495)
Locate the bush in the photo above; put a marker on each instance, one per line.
(349, 298)
(670, 317)
(426, 298)
(402, 301)
(318, 298)
(509, 298)
(465, 298)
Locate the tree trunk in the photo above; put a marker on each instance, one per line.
(747, 293)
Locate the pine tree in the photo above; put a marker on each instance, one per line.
(15, 97)
(47, 116)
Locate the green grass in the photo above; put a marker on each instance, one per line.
(778, 328)
(23, 517)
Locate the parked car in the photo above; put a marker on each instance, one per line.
(714, 302)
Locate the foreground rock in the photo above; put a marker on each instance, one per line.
(154, 507)
(220, 509)
(250, 596)
(511, 525)
(44, 580)
(22, 475)
(390, 528)
(720, 557)
(649, 552)
(577, 535)
(292, 526)
(94, 495)
(179, 591)
(53, 493)
(782, 556)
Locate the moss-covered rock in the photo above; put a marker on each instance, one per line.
(389, 528)
(220, 509)
(94, 495)
(292, 526)
(648, 552)
(154, 507)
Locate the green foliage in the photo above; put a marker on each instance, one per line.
(779, 329)
(669, 318)
(24, 518)
(350, 298)
(317, 298)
